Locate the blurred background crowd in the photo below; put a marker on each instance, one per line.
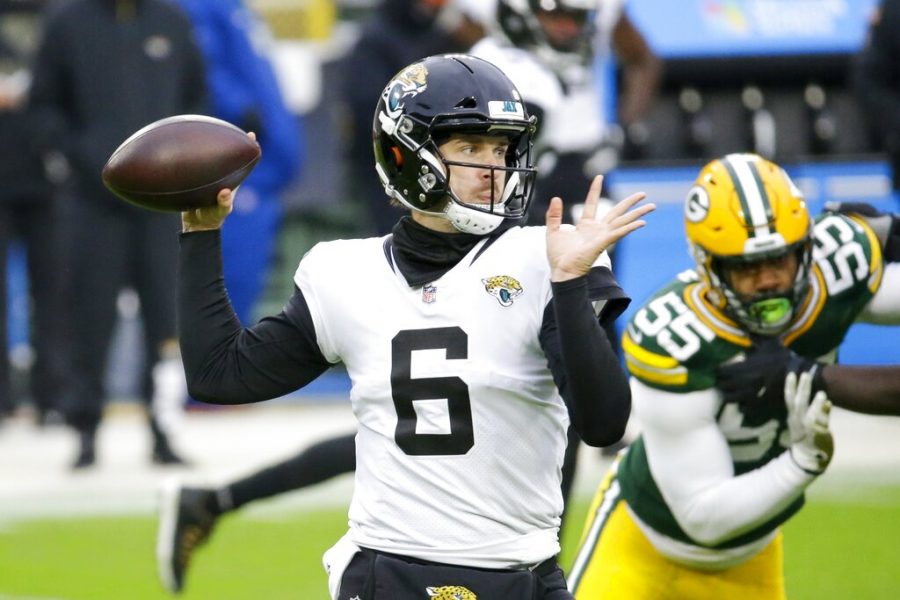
(87, 314)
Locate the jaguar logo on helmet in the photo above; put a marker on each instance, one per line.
(412, 81)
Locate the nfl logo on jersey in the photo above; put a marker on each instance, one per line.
(429, 294)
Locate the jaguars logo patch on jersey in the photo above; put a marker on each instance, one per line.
(504, 288)
(451, 592)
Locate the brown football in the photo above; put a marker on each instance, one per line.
(180, 163)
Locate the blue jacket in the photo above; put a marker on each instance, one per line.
(243, 88)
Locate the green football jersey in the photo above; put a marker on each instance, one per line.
(678, 339)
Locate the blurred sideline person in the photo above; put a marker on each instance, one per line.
(457, 424)
(104, 69)
(397, 33)
(243, 90)
(28, 214)
(693, 508)
(550, 50)
(876, 78)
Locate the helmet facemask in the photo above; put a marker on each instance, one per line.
(765, 313)
(508, 200)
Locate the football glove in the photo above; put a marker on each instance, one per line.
(812, 444)
(859, 208)
(759, 378)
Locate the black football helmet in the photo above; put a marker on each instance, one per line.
(432, 99)
(519, 21)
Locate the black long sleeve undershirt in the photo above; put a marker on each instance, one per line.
(226, 363)
(585, 367)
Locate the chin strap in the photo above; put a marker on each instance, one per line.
(471, 220)
(468, 220)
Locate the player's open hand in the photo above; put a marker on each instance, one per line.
(572, 251)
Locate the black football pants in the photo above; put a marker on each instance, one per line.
(367, 578)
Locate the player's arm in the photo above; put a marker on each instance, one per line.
(692, 466)
(883, 229)
(585, 367)
(588, 371)
(642, 71)
(884, 307)
(48, 95)
(873, 390)
(226, 363)
(874, 70)
(870, 390)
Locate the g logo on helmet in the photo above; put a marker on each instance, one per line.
(696, 205)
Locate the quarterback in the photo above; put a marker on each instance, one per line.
(693, 508)
(471, 343)
(537, 65)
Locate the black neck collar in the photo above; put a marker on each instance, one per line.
(423, 255)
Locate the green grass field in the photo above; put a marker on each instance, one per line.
(838, 547)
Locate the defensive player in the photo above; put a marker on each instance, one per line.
(693, 507)
(471, 343)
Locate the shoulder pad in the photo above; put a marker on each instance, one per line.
(847, 251)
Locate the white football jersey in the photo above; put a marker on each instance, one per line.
(461, 428)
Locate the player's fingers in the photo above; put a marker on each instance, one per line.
(617, 233)
(820, 409)
(252, 135)
(804, 388)
(641, 211)
(632, 215)
(554, 214)
(224, 197)
(624, 206)
(593, 197)
(790, 388)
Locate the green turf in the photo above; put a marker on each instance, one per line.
(836, 548)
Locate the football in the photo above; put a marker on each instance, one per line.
(180, 163)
